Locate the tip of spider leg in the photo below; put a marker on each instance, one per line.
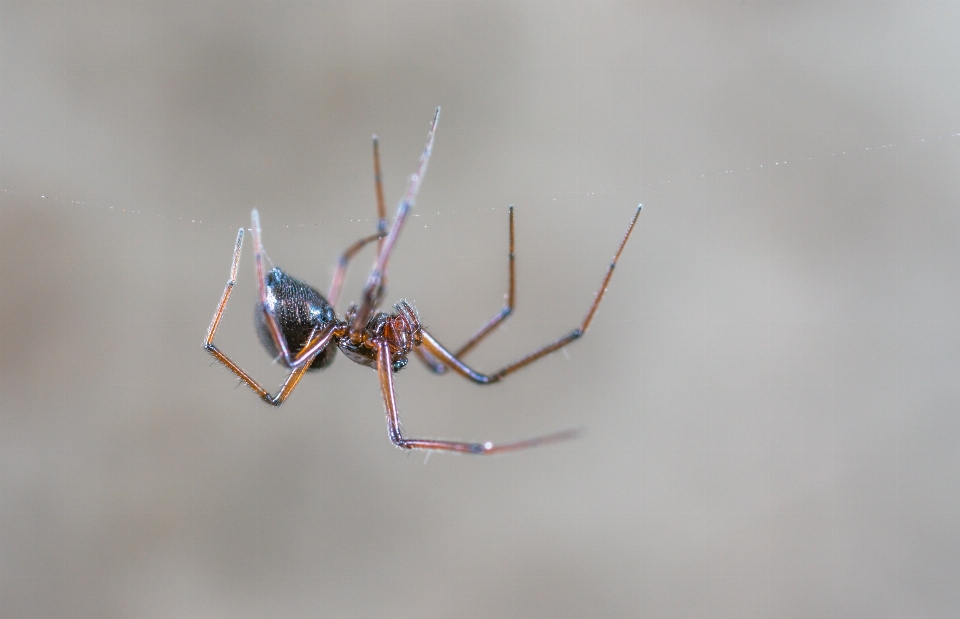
(563, 435)
(639, 207)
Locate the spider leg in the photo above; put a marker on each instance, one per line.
(273, 399)
(381, 234)
(381, 203)
(385, 373)
(502, 315)
(275, 333)
(317, 342)
(438, 367)
(430, 361)
(440, 354)
(374, 286)
(343, 262)
(226, 290)
(303, 359)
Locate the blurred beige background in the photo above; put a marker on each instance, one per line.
(770, 388)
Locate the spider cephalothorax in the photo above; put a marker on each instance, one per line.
(400, 330)
(299, 326)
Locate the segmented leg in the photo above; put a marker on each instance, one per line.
(381, 203)
(502, 315)
(374, 286)
(275, 333)
(343, 262)
(438, 367)
(430, 361)
(385, 373)
(438, 354)
(300, 363)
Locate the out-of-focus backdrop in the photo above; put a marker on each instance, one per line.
(770, 388)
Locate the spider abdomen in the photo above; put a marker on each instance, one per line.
(299, 311)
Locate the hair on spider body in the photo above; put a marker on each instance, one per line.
(299, 326)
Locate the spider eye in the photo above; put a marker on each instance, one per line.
(399, 364)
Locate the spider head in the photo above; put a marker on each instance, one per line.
(402, 329)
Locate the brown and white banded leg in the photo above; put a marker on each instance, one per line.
(385, 373)
(438, 353)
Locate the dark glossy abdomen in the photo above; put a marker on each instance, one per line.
(299, 310)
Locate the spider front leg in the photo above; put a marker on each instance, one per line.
(317, 343)
(435, 353)
(385, 373)
(344, 260)
(374, 286)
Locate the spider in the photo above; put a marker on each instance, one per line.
(300, 327)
